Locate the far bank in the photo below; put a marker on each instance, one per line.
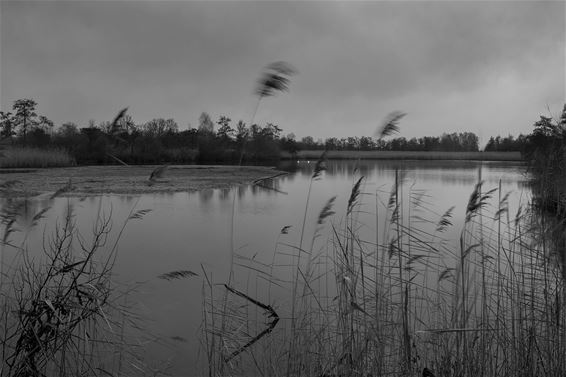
(404, 155)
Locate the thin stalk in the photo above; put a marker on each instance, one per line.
(296, 281)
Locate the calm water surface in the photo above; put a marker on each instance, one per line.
(192, 231)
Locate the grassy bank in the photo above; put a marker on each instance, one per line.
(405, 155)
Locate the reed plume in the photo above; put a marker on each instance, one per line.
(389, 126)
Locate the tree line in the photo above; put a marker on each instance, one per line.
(546, 153)
(221, 141)
(450, 142)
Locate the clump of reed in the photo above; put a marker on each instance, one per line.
(489, 303)
(61, 313)
(29, 157)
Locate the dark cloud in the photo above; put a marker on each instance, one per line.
(451, 65)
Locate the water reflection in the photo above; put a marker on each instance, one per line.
(193, 230)
(26, 211)
(205, 195)
(445, 171)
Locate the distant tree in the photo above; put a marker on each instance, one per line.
(205, 123)
(25, 115)
(124, 124)
(271, 131)
(545, 127)
(331, 144)
(289, 144)
(467, 142)
(242, 133)
(105, 127)
(68, 129)
(45, 124)
(160, 126)
(366, 143)
(7, 125)
(225, 132)
(562, 121)
(40, 134)
(126, 132)
(308, 142)
(398, 144)
(353, 143)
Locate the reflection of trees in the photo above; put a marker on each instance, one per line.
(224, 194)
(242, 191)
(270, 186)
(127, 199)
(460, 172)
(206, 195)
(26, 210)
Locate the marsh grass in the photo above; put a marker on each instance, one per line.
(490, 304)
(27, 157)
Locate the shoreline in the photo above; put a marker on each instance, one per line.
(404, 155)
(129, 180)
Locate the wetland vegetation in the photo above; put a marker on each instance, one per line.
(376, 281)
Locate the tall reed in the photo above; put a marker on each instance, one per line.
(491, 304)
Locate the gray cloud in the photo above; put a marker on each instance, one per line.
(451, 65)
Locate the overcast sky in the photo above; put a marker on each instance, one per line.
(487, 67)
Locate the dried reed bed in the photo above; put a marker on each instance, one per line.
(28, 157)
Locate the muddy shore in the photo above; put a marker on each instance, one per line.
(94, 180)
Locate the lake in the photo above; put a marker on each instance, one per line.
(197, 231)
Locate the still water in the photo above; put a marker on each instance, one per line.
(196, 231)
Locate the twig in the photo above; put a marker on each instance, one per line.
(271, 325)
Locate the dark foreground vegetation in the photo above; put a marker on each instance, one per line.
(547, 156)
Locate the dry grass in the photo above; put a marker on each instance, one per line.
(26, 157)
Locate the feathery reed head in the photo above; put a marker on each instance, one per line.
(275, 78)
(114, 124)
(354, 195)
(319, 167)
(285, 229)
(503, 207)
(326, 211)
(181, 274)
(444, 221)
(477, 201)
(389, 126)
